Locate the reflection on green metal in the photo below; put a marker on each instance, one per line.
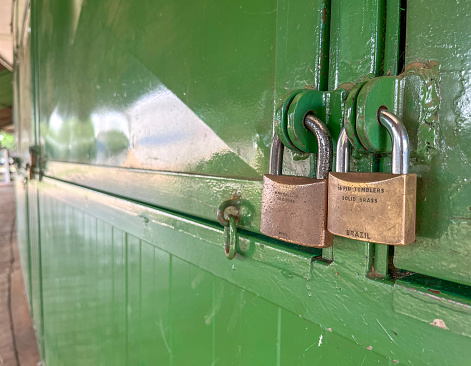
(73, 139)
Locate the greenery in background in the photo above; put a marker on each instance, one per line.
(7, 140)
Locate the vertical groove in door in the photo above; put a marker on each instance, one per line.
(394, 57)
(278, 339)
(126, 296)
(28, 241)
(133, 296)
(213, 325)
(170, 308)
(37, 224)
(356, 40)
(356, 54)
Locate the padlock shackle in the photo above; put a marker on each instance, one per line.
(342, 164)
(276, 155)
(400, 139)
(324, 141)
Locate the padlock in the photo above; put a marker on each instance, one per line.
(374, 207)
(294, 209)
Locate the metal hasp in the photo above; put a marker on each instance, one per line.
(232, 214)
(33, 166)
(413, 96)
(291, 113)
(375, 207)
(294, 208)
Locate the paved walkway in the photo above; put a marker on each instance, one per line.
(18, 345)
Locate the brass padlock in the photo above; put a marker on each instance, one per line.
(374, 207)
(294, 208)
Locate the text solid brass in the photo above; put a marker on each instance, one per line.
(375, 207)
(294, 210)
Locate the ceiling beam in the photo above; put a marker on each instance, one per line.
(5, 65)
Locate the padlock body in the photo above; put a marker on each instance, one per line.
(294, 209)
(374, 207)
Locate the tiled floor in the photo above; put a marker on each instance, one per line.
(18, 345)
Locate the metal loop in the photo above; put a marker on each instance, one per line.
(231, 238)
(324, 141)
(228, 208)
(400, 139)
(342, 164)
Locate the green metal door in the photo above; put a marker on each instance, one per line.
(27, 195)
(149, 115)
(444, 198)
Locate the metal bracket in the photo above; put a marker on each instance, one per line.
(34, 165)
(413, 96)
(328, 106)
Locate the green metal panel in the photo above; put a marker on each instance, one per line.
(110, 293)
(148, 300)
(357, 40)
(25, 127)
(443, 208)
(35, 263)
(212, 78)
(301, 46)
(233, 138)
